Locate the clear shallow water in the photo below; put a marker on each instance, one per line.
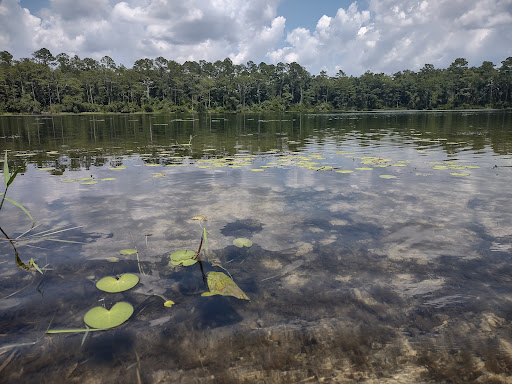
(398, 270)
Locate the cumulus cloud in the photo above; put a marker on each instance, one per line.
(387, 36)
(394, 35)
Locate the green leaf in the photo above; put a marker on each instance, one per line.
(127, 251)
(102, 318)
(6, 171)
(242, 242)
(21, 207)
(183, 257)
(33, 264)
(169, 303)
(221, 284)
(123, 283)
(13, 176)
(75, 330)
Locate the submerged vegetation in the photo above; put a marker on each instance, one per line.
(47, 83)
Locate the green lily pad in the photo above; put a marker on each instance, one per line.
(459, 174)
(169, 303)
(102, 318)
(113, 259)
(108, 179)
(112, 285)
(242, 242)
(46, 169)
(127, 251)
(387, 177)
(221, 284)
(183, 257)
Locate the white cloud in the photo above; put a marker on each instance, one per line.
(395, 35)
(389, 36)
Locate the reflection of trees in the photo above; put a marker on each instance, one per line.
(66, 142)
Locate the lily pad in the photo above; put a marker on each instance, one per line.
(242, 242)
(387, 177)
(127, 251)
(183, 257)
(102, 318)
(169, 303)
(108, 179)
(221, 284)
(459, 174)
(112, 285)
(113, 259)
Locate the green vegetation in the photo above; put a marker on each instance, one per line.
(47, 83)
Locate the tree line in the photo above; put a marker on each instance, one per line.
(54, 84)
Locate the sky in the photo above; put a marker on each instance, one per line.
(381, 36)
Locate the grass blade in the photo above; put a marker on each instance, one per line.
(6, 171)
(22, 208)
(13, 176)
(76, 330)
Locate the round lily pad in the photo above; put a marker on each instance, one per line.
(183, 257)
(102, 318)
(111, 284)
(242, 242)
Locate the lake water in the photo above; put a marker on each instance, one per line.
(382, 247)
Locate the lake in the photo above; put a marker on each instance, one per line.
(381, 247)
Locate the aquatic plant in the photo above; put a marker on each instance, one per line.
(8, 180)
(117, 284)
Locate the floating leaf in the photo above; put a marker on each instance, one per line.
(183, 257)
(459, 174)
(102, 318)
(221, 284)
(118, 168)
(242, 242)
(89, 182)
(345, 171)
(84, 178)
(108, 179)
(387, 177)
(200, 218)
(169, 303)
(127, 251)
(123, 283)
(364, 169)
(69, 181)
(46, 169)
(113, 259)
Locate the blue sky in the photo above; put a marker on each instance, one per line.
(354, 36)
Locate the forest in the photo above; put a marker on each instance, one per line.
(46, 83)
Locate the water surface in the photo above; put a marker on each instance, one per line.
(381, 247)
